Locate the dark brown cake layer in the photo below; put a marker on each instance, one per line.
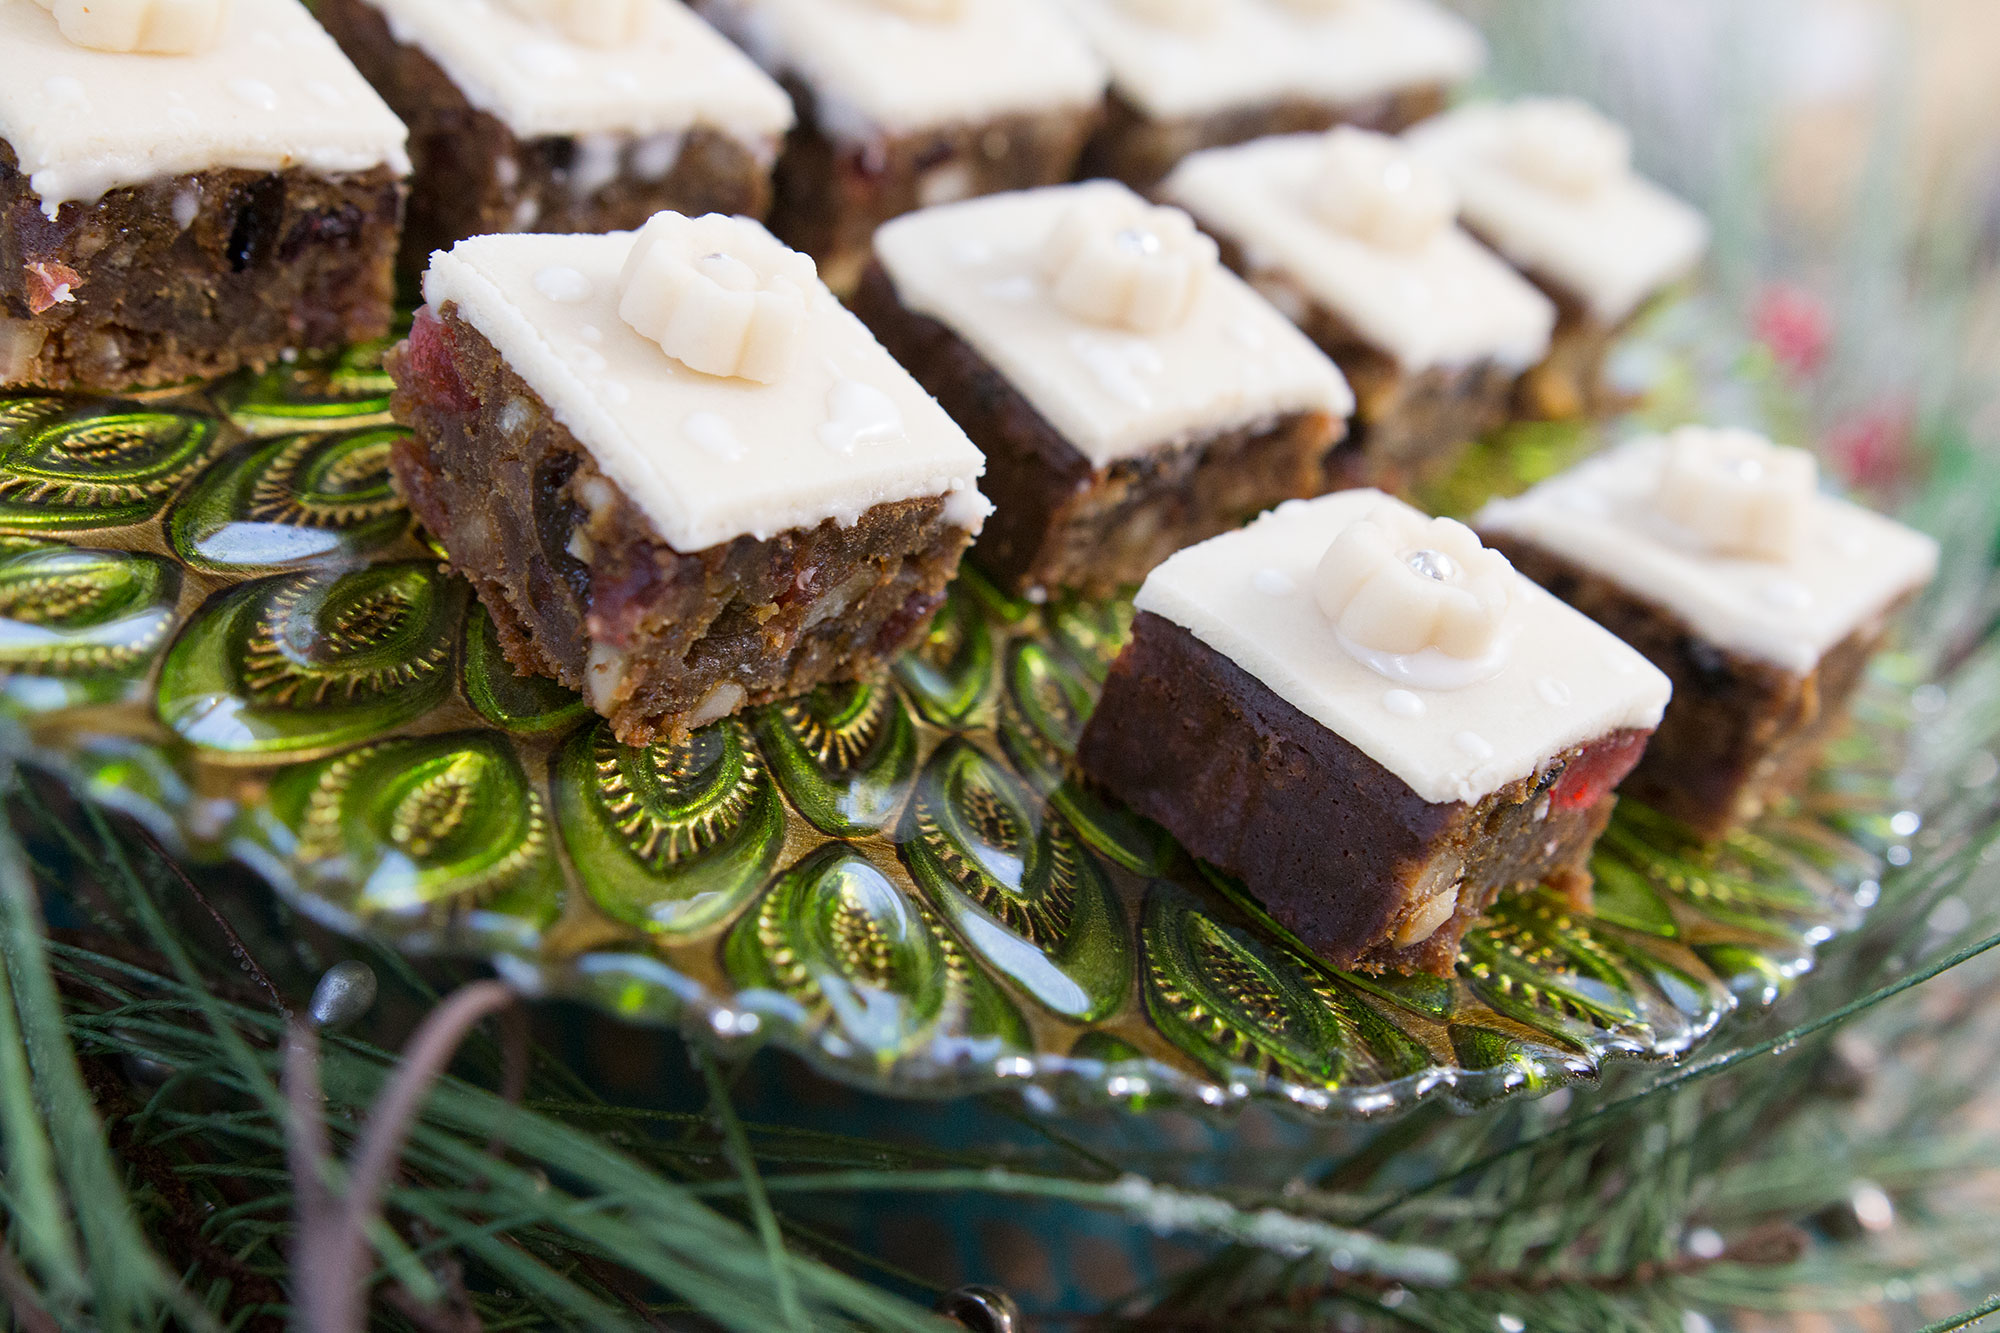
(831, 196)
(581, 588)
(1335, 846)
(1139, 151)
(1739, 734)
(1409, 426)
(191, 276)
(1059, 522)
(473, 176)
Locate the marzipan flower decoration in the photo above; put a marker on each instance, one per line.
(1735, 492)
(1400, 584)
(1565, 145)
(713, 303)
(1123, 262)
(154, 27)
(1369, 186)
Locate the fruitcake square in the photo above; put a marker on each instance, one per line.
(681, 476)
(1356, 240)
(1194, 74)
(908, 103)
(186, 187)
(1130, 394)
(1715, 554)
(1373, 722)
(1548, 182)
(564, 115)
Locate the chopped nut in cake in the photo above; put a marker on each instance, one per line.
(1373, 722)
(1715, 553)
(681, 476)
(1130, 394)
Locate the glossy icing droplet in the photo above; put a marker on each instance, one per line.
(1432, 564)
(1788, 595)
(1474, 744)
(1274, 582)
(65, 91)
(859, 414)
(1403, 703)
(256, 92)
(1554, 692)
(560, 282)
(1119, 366)
(711, 434)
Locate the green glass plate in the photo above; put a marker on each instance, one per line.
(214, 616)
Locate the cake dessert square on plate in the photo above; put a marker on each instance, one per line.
(1548, 182)
(907, 103)
(1374, 723)
(681, 476)
(564, 115)
(1193, 74)
(1130, 394)
(186, 187)
(1714, 553)
(1355, 240)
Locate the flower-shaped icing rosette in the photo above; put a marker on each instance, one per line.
(1734, 493)
(1417, 600)
(1119, 261)
(602, 23)
(1371, 187)
(715, 300)
(1565, 145)
(153, 27)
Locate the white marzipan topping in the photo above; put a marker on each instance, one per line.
(1120, 261)
(1429, 297)
(155, 27)
(936, 11)
(716, 297)
(628, 68)
(257, 85)
(877, 69)
(1186, 15)
(1371, 187)
(1187, 59)
(1549, 183)
(1736, 493)
(783, 425)
(1129, 349)
(1648, 517)
(588, 22)
(1452, 728)
(1566, 145)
